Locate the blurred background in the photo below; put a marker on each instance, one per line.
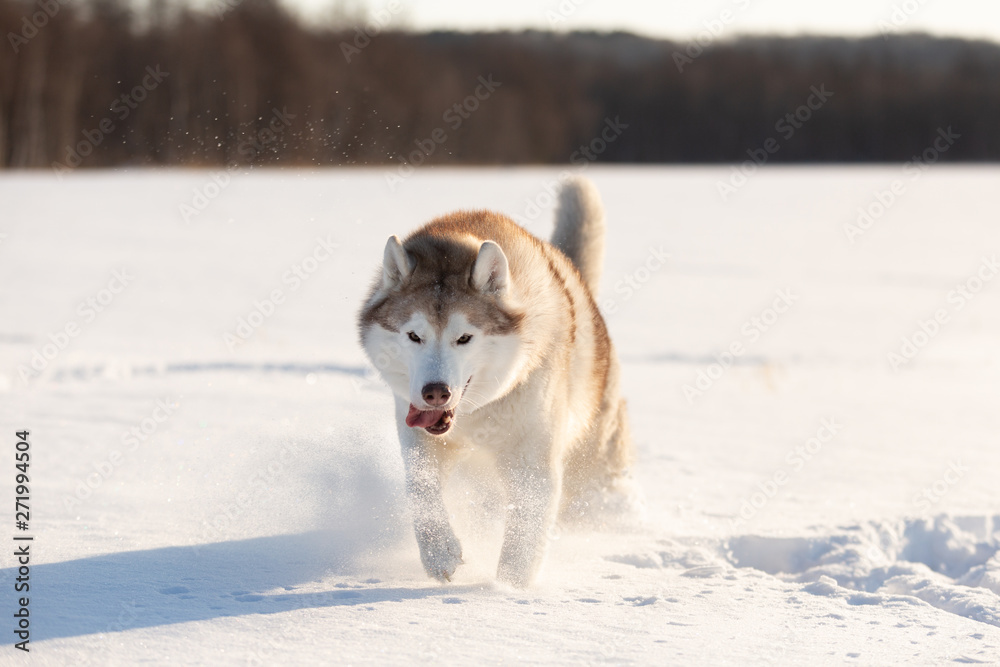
(105, 83)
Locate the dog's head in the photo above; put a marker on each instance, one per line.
(442, 328)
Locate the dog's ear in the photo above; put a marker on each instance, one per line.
(490, 272)
(397, 264)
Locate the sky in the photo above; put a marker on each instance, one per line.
(685, 19)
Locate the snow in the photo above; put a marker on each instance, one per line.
(200, 501)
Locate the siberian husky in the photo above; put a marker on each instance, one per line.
(490, 337)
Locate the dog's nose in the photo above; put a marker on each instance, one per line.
(436, 393)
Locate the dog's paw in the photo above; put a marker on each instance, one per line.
(519, 574)
(440, 552)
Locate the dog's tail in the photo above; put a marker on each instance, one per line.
(579, 229)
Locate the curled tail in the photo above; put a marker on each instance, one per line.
(579, 229)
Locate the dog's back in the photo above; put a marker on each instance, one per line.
(602, 454)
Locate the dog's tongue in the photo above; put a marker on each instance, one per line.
(423, 418)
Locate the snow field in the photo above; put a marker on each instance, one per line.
(203, 496)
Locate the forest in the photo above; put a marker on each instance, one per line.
(244, 83)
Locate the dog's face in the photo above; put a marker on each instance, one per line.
(441, 330)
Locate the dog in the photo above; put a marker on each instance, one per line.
(490, 337)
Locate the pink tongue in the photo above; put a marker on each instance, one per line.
(423, 418)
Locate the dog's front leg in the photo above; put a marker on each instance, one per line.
(533, 497)
(440, 550)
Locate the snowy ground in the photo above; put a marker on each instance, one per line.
(197, 501)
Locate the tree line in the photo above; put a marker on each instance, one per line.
(94, 84)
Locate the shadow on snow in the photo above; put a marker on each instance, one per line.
(140, 589)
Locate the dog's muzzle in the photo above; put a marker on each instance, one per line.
(435, 422)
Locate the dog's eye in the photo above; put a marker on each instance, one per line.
(414, 337)
(463, 339)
